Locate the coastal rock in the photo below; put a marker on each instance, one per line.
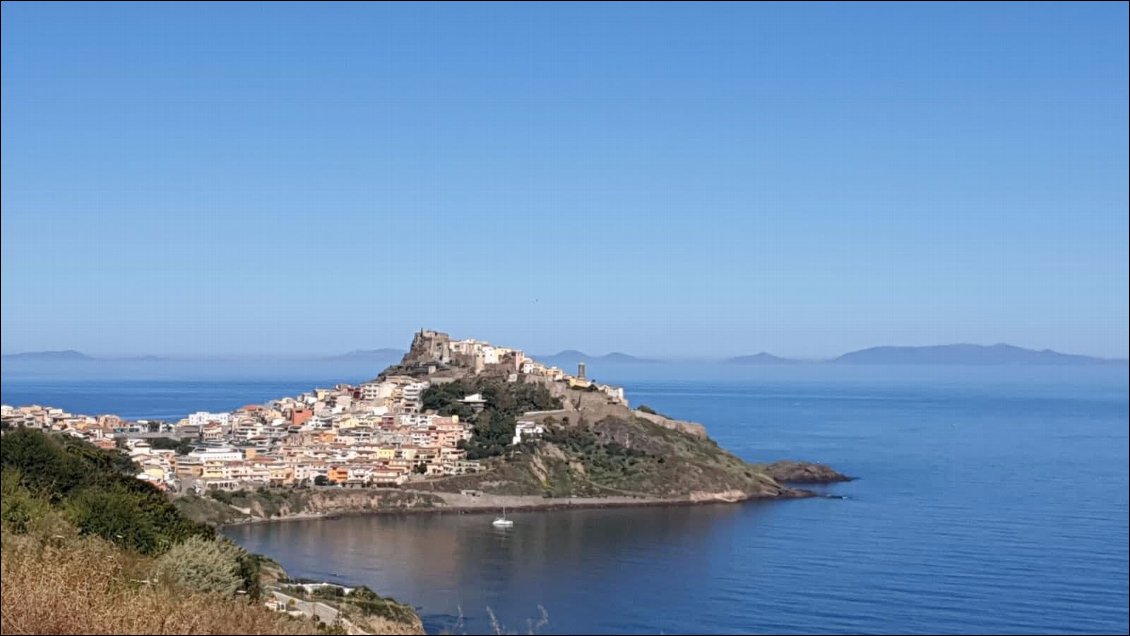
(795, 472)
(219, 508)
(726, 496)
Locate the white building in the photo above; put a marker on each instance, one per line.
(217, 454)
(475, 400)
(616, 393)
(372, 391)
(410, 395)
(200, 418)
(524, 430)
(416, 420)
(138, 447)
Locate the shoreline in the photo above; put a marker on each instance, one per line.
(526, 503)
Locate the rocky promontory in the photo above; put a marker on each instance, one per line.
(590, 442)
(794, 472)
(533, 437)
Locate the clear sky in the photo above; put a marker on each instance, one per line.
(669, 180)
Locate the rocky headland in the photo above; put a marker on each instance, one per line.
(588, 448)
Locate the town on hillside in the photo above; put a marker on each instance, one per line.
(374, 434)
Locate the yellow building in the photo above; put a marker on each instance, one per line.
(213, 470)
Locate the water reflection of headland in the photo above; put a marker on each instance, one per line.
(445, 562)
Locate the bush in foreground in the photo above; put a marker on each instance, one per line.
(89, 549)
(85, 585)
(210, 566)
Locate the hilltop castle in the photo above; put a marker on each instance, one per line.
(435, 351)
(437, 348)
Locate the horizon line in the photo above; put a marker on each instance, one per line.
(343, 356)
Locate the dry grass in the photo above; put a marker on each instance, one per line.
(381, 625)
(80, 585)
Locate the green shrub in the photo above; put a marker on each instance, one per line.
(18, 509)
(372, 604)
(181, 446)
(210, 566)
(493, 428)
(221, 496)
(96, 488)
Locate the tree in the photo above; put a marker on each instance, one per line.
(97, 489)
(491, 435)
(250, 572)
(181, 446)
(321, 480)
(505, 401)
(18, 508)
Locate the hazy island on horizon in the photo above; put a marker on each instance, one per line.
(967, 354)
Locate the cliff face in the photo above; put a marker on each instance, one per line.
(428, 347)
(263, 505)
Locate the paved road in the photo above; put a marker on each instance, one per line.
(325, 613)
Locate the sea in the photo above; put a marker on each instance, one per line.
(987, 500)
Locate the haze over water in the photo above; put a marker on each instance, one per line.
(989, 499)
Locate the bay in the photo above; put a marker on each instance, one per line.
(990, 499)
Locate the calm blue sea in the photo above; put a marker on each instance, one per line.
(989, 499)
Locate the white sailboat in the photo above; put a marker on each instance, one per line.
(503, 522)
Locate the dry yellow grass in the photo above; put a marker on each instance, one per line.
(73, 585)
(379, 625)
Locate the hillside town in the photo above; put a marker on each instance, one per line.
(373, 434)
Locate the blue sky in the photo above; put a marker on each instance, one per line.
(662, 179)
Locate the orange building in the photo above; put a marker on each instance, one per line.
(338, 474)
(300, 416)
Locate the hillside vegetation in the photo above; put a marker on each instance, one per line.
(94, 489)
(89, 549)
(592, 448)
(494, 426)
(628, 456)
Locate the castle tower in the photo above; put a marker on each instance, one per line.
(581, 370)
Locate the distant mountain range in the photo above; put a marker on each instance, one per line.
(361, 355)
(70, 355)
(966, 354)
(971, 354)
(942, 354)
(379, 355)
(571, 357)
(760, 358)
